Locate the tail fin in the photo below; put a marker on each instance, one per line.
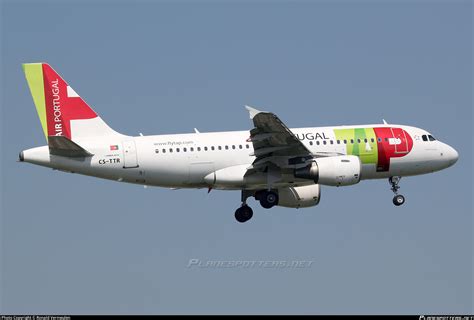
(61, 110)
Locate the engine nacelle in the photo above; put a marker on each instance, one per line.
(299, 197)
(332, 171)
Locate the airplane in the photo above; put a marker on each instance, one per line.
(276, 165)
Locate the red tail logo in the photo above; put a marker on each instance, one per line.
(63, 104)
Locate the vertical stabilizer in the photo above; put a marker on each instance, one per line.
(61, 110)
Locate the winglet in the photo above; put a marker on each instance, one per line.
(252, 111)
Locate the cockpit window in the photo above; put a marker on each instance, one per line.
(424, 137)
(431, 138)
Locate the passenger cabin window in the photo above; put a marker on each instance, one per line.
(247, 146)
(331, 142)
(198, 148)
(191, 149)
(164, 150)
(212, 148)
(219, 147)
(240, 146)
(157, 151)
(311, 143)
(338, 141)
(317, 142)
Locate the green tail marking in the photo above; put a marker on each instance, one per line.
(34, 76)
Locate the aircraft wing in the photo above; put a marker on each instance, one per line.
(273, 142)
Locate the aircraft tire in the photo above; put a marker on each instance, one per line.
(243, 214)
(398, 200)
(269, 199)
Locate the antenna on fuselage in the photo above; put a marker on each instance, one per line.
(384, 122)
(196, 130)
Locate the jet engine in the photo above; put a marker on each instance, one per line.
(299, 197)
(332, 171)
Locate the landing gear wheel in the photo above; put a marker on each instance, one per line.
(268, 199)
(243, 214)
(398, 200)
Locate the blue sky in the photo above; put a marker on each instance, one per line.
(75, 244)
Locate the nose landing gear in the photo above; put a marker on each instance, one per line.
(398, 199)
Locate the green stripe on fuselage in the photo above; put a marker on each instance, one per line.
(366, 151)
(34, 76)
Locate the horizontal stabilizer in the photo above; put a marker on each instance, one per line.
(64, 147)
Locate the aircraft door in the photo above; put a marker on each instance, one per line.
(400, 140)
(129, 154)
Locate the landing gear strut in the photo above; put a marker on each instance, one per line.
(398, 199)
(244, 213)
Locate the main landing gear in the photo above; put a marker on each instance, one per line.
(398, 199)
(268, 199)
(244, 213)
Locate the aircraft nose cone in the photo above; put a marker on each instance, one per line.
(452, 155)
(21, 156)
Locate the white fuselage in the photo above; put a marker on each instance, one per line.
(194, 160)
